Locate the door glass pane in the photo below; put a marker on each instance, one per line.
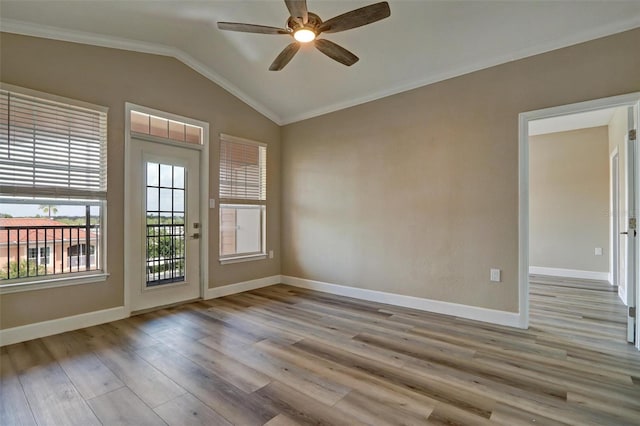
(178, 177)
(166, 175)
(178, 201)
(165, 219)
(153, 174)
(166, 200)
(152, 199)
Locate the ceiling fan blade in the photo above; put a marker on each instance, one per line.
(298, 10)
(336, 52)
(250, 28)
(356, 18)
(285, 56)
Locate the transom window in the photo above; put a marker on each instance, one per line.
(243, 198)
(53, 185)
(161, 127)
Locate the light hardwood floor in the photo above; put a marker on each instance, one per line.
(283, 355)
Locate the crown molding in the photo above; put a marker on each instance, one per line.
(584, 36)
(56, 33)
(82, 37)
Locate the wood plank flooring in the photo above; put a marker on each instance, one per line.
(285, 356)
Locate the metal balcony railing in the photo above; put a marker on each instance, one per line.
(35, 251)
(165, 253)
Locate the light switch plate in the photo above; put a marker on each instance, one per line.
(598, 251)
(212, 203)
(495, 275)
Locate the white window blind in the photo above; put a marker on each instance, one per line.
(51, 148)
(243, 170)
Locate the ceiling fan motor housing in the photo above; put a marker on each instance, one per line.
(313, 23)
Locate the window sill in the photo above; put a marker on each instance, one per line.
(18, 287)
(239, 259)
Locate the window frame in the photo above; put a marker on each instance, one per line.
(35, 196)
(48, 259)
(239, 202)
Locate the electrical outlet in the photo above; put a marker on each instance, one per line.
(270, 254)
(495, 275)
(598, 251)
(212, 203)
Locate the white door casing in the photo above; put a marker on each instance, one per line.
(195, 159)
(628, 100)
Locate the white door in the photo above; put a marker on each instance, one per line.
(632, 232)
(164, 207)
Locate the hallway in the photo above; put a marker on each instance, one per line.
(587, 313)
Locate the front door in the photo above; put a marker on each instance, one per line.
(164, 207)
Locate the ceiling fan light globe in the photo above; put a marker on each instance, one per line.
(304, 35)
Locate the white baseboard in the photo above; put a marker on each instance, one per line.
(46, 328)
(570, 273)
(622, 294)
(511, 319)
(36, 330)
(227, 290)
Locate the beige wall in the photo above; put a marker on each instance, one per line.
(617, 140)
(569, 199)
(417, 193)
(112, 77)
(413, 194)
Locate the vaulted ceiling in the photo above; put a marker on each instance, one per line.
(422, 42)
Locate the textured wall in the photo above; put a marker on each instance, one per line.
(112, 77)
(569, 199)
(417, 193)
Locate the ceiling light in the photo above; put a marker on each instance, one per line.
(304, 35)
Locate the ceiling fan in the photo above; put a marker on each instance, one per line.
(305, 27)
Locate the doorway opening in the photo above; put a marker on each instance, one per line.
(578, 207)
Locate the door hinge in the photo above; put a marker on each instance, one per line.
(632, 311)
(632, 134)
